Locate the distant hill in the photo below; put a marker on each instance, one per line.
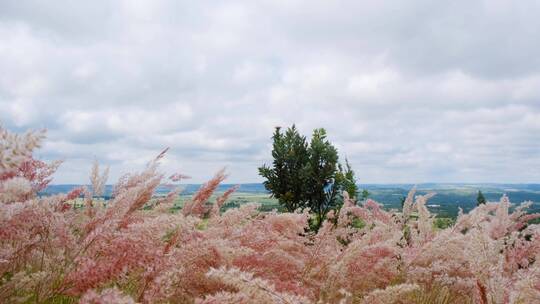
(450, 196)
(188, 189)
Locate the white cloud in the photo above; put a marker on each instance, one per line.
(407, 91)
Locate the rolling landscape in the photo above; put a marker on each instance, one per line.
(446, 203)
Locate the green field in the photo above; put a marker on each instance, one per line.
(240, 198)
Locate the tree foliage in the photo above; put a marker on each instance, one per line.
(307, 175)
(365, 194)
(480, 199)
(346, 177)
(286, 179)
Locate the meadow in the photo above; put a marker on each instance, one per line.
(137, 247)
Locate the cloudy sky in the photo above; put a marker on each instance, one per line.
(409, 91)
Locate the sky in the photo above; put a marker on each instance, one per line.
(409, 91)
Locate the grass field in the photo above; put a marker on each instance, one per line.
(239, 198)
(444, 205)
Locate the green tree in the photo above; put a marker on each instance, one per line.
(285, 179)
(364, 195)
(322, 187)
(480, 199)
(305, 175)
(345, 177)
